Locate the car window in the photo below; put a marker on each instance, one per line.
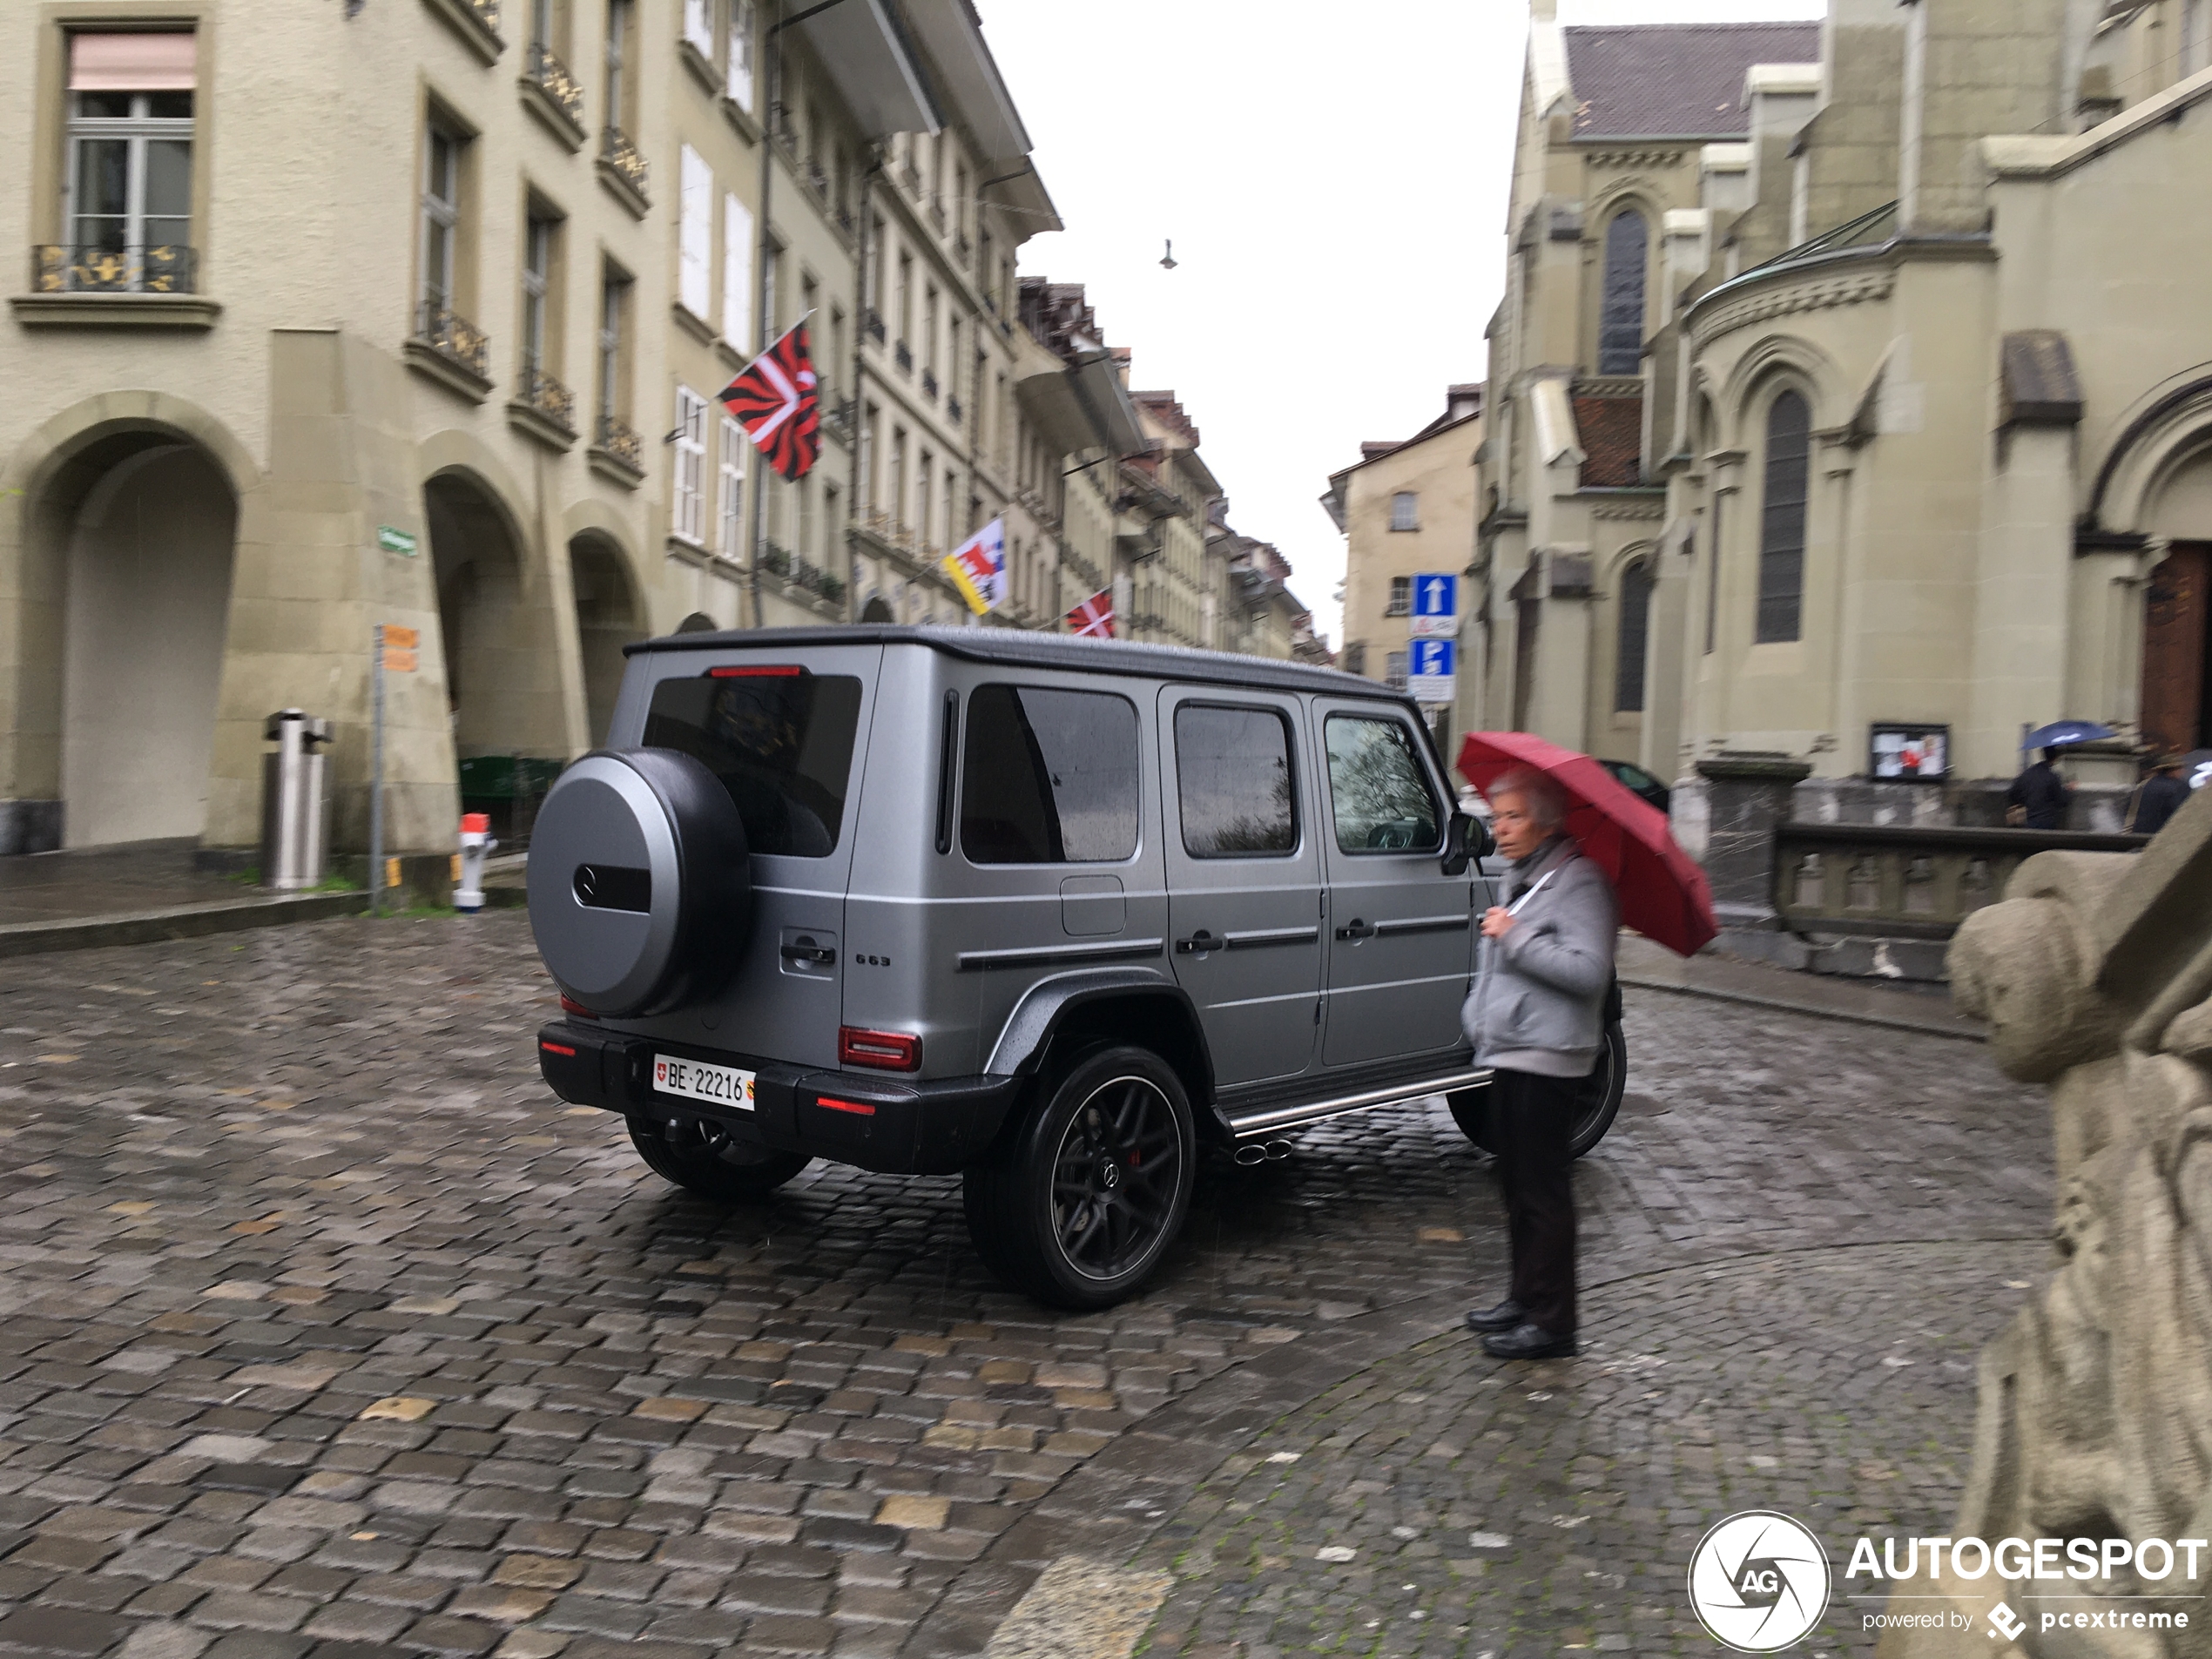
(1633, 777)
(1233, 775)
(1377, 788)
(1051, 777)
(781, 744)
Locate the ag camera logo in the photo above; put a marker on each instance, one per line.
(1758, 1581)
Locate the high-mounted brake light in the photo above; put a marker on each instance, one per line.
(878, 1050)
(569, 1005)
(858, 1108)
(750, 672)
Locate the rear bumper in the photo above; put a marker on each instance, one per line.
(880, 1121)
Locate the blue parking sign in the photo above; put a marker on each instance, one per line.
(1436, 606)
(1433, 669)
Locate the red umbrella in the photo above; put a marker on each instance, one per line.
(1663, 894)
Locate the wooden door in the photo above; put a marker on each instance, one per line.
(2174, 625)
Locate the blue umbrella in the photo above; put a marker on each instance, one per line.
(2059, 733)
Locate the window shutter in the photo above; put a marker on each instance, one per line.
(740, 87)
(699, 26)
(737, 273)
(695, 239)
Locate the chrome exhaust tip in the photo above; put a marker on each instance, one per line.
(1248, 1156)
(1277, 1151)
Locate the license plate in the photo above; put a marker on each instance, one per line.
(697, 1079)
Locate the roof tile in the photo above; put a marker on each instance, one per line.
(1675, 80)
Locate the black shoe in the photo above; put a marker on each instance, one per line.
(1503, 1316)
(1529, 1342)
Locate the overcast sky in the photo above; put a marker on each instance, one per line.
(1334, 180)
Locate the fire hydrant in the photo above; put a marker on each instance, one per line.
(476, 846)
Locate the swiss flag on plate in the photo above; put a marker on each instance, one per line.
(1094, 617)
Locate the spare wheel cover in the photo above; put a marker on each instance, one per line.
(637, 867)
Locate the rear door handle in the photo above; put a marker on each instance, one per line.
(820, 955)
(1356, 929)
(1200, 943)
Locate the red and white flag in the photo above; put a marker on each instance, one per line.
(774, 400)
(1094, 617)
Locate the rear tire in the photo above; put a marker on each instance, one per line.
(1597, 1100)
(701, 1156)
(1081, 1208)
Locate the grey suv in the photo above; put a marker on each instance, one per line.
(1050, 913)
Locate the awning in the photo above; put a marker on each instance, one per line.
(100, 62)
(1083, 406)
(969, 77)
(1023, 196)
(866, 54)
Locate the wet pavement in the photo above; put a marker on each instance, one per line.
(329, 1332)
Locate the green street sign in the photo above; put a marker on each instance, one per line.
(394, 541)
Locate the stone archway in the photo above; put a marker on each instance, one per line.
(876, 610)
(608, 616)
(2176, 708)
(146, 524)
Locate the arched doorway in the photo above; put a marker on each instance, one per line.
(501, 682)
(607, 619)
(2177, 614)
(875, 610)
(147, 524)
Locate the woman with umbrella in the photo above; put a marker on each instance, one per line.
(1576, 838)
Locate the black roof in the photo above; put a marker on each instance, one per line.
(1675, 80)
(1024, 650)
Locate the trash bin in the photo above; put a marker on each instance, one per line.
(295, 819)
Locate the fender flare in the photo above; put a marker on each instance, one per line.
(1038, 1017)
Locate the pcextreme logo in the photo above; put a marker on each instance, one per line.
(1758, 1581)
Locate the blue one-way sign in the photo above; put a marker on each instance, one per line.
(1436, 606)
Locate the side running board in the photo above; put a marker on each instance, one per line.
(1313, 1111)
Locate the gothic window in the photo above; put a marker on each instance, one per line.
(1782, 526)
(1620, 338)
(1635, 634)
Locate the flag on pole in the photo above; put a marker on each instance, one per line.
(977, 567)
(774, 400)
(1094, 617)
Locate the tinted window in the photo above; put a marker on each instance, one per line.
(782, 746)
(1378, 789)
(1233, 771)
(1050, 776)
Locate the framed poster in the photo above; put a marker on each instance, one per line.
(1910, 754)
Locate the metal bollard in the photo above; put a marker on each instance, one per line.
(295, 823)
(476, 846)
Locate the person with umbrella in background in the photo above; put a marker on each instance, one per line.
(2159, 796)
(1588, 857)
(2038, 798)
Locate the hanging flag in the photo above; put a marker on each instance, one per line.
(977, 567)
(774, 400)
(1094, 617)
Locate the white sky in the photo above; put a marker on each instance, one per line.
(1337, 197)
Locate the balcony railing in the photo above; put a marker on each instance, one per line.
(953, 410)
(619, 151)
(785, 563)
(487, 13)
(615, 439)
(455, 339)
(541, 391)
(551, 76)
(169, 269)
(929, 382)
(876, 325)
(903, 355)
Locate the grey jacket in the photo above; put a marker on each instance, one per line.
(1538, 999)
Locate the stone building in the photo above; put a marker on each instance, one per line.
(1902, 318)
(1406, 508)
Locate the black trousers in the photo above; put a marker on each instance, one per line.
(1531, 1120)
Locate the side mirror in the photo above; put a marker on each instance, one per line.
(1466, 839)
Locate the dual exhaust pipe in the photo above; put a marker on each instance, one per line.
(1257, 1152)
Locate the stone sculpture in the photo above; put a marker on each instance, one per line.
(2095, 1414)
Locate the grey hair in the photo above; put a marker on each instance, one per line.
(1540, 798)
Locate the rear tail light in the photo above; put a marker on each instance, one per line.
(858, 1108)
(878, 1050)
(561, 1049)
(569, 1005)
(754, 672)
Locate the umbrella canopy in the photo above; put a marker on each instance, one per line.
(2059, 733)
(1663, 894)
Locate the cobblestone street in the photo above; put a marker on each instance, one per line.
(330, 1332)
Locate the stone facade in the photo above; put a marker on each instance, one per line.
(1913, 337)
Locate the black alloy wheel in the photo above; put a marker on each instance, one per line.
(1084, 1205)
(1597, 1100)
(701, 1156)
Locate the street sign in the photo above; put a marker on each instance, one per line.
(1433, 670)
(1436, 607)
(394, 541)
(398, 662)
(396, 638)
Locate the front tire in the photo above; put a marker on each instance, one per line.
(1080, 1208)
(1597, 1100)
(701, 1156)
